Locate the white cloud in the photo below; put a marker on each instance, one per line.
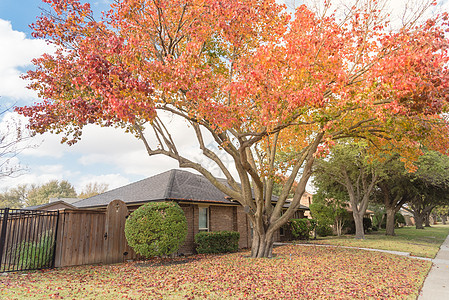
(39, 175)
(112, 180)
(17, 51)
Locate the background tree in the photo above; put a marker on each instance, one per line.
(428, 186)
(379, 213)
(53, 189)
(329, 204)
(13, 139)
(349, 166)
(392, 189)
(10, 199)
(15, 197)
(442, 211)
(93, 189)
(249, 75)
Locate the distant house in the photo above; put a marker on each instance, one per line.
(408, 216)
(368, 213)
(54, 205)
(206, 208)
(66, 200)
(306, 200)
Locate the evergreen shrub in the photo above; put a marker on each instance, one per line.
(301, 228)
(156, 229)
(217, 241)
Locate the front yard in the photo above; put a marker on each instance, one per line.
(418, 242)
(296, 272)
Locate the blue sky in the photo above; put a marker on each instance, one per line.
(104, 155)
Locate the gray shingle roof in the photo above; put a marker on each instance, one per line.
(170, 185)
(41, 206)
(36, 207)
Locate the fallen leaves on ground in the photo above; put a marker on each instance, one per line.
(296, 272)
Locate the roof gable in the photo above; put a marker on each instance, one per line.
(50, 204)
(171, 185)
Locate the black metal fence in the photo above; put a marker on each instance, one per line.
(27, 239)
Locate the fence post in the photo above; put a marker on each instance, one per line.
(56, 240)
(3, 233)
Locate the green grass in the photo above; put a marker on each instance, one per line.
(418, 242)
(296, 272)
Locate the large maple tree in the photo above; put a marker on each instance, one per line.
(254, 76)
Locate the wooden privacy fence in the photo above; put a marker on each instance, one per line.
(93, 236)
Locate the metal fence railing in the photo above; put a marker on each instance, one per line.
(27, 239)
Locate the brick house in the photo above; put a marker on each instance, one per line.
(306, 200)
(206, 208)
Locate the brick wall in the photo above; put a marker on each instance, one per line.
(189, 210)
(231, 218)
(243, 226)
(306, 199)
(221, 218)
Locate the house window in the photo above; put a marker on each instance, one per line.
(282, 231)
(203, 218)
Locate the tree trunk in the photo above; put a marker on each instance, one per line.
(359, 231)
(427, 219)
(338, 226)
(419, 220)
(444, 219)
(390, 221)
(262, 245)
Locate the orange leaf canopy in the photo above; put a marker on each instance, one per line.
(248, 67)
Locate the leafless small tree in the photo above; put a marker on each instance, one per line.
(14, 138)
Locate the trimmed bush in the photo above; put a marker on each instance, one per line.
(217, 241)
(367, 226)
(399, 219)
(301, 228)
(324, 230)
(156, 229)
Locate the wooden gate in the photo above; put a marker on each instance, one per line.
(93, 236)
(116, 247)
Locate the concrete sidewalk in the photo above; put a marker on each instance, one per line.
(436, 285)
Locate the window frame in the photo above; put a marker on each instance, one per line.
(207, 228)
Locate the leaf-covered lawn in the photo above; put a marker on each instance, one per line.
(296, 272)
(418, 242)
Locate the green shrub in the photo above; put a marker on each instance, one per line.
(36, 255)
(367, 226)
(217, 241)
(156, 229)
(301, 228)
(399, 219)
(324, 230)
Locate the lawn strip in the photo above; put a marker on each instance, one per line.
(418, 242)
